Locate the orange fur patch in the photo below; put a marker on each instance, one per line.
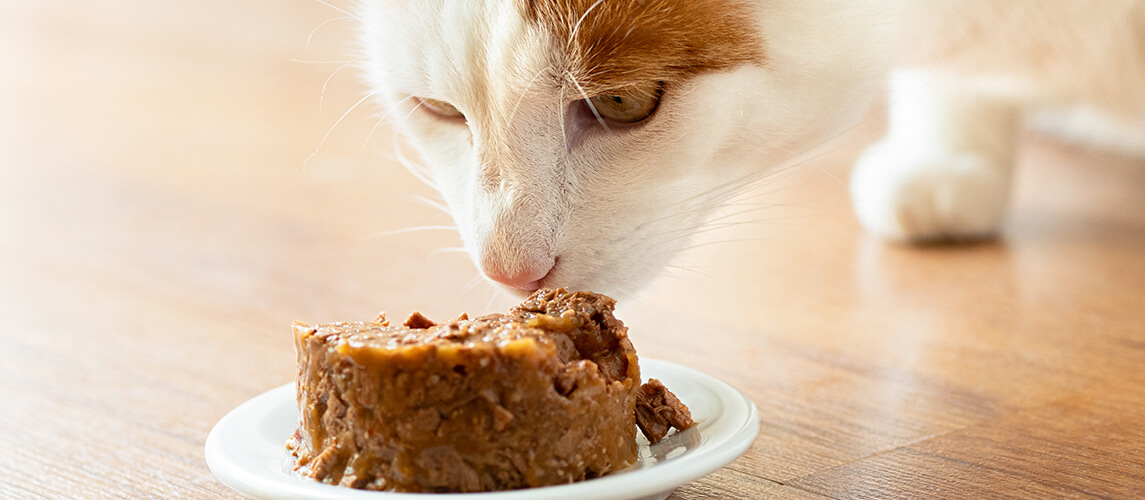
(613, 44)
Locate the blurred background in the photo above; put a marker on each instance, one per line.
(179, 181)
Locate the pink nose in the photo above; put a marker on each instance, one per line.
(527, 278)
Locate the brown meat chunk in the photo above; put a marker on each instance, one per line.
(543, 395)
(418, 321)
(658, 410)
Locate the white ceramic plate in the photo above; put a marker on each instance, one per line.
(246, 449)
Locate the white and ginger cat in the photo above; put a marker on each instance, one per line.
(580, 143)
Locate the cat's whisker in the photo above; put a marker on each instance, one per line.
(477, 279)
(339, 9)
(323, 23)
(687, 269)
(681, 260)
(711, 225)
(707, 227)
(520, 98)
(497, 293)
(758, 205)
(673, 234)
(322, 94)
(734, 184)
(418, 171)
(669, 216)
(409, 165)
(744, 208)
(686, 233)
(445, 250)
(741, 186)
(770, 221)
(406, 230)
(561, 116)
(312, 61)
(576, 26)
(705, 200)
(824, 151)
(395, 155)
(628, 292)
(737, 210)
(332, 127)
(831, 176)
(382, 119)
(722, 242)
(587, 100)
(432, 203)
(811, 154)
(421, 172)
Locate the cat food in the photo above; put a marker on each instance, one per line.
(546, 394)
(658, 411)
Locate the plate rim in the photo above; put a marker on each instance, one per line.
(658, 478)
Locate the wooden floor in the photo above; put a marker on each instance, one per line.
(161, 226)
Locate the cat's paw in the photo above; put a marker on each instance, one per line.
(914, 195)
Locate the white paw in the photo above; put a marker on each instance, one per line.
(914, 195)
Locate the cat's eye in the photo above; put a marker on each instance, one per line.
(628, 106)
(440, 108)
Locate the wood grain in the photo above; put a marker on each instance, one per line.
(168, 206)
(1078, 446)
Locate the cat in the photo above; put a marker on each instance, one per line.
(971, 74)
(579, 143)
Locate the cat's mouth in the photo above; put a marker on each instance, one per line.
(527, 283)
(547, 279)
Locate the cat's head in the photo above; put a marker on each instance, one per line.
(580, 143)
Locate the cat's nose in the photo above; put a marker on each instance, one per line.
(527, 278)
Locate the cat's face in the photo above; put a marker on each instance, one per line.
(580, 143)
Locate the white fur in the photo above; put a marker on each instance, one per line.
(610, 209)
(977, 68)
(943, 169)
